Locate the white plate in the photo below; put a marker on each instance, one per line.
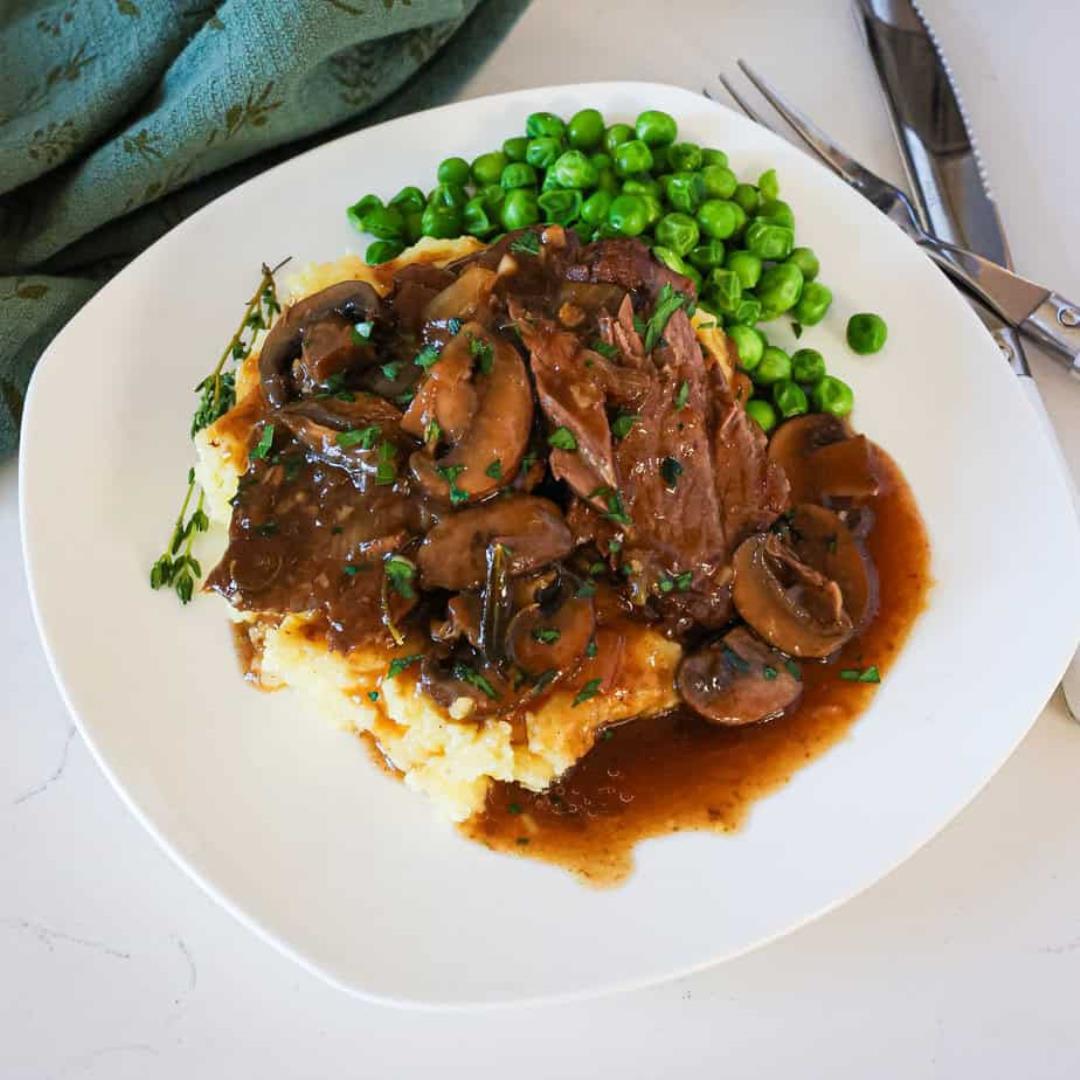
(285, 820)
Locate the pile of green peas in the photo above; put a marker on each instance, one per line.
(734, 240)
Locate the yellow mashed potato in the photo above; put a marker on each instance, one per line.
(441, 752)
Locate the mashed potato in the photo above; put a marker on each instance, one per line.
(440, 752)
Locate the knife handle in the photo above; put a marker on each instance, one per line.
(1055, 323)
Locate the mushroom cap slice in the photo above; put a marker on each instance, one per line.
(822, 458)
(498, 430)
(737, 680)
(552, 637)
(792, 606)
(347, 302)
(822, 540)
(454, 553)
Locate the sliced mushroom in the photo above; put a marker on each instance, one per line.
(360, 459)
(454, 553)
(340, 306)
(497, 432)
(340, 415)
(447, 395)
(822, 458)
(463, 614)
(822, 540)
(464, 297)
(791, 605)
(552, 635)
(464, 684)
(737, 680)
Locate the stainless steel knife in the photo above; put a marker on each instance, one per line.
(944, 170)
(947, 179)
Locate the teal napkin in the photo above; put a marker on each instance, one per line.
(118, 118)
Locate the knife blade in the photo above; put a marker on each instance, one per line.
(944, 171)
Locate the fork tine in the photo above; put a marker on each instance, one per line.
(816, 139)
(741, 101)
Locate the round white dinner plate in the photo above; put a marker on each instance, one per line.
(286, 821)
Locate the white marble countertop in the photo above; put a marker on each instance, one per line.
(964, 962)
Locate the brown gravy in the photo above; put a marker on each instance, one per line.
(677, 772)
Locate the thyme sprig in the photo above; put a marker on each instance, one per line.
(177, 567)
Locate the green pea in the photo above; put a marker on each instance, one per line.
(789, 398)
(661, 157)
(656, 128)
(584, 231)
(717, 218)
(831, 395)
(561, 207)
(740, 217)
(385, 223)
(708, 255)
(747, 265)
(573, 169)
(448, 195)
(725, 289)
(408, 199)
(683, 191)
(748, 313)
(718, 182)
(585, 130)
(866, 333)
(414, 225)
(476, 219)
(382, 251)
(671, 259)
(601, 160)
(694, 275)
(678, 232)
(768, 185)
(516, 148)
(768, 241)
(777, 212)
(807, 366)
(518, 174)
(628, 215)
(550, 183)
(779, 289)
(545, 123)
(616, 135)
(813, 303)
(749, 345)
(632, 157)
(710, 156)
(487, 168)
(684, 157)
(762, 413)
(746, 195)
(494, 195)
(520, 209)
(542, 151)
(453, 170)
(775, 365)
(360, 209)
(642, 185)
(606, 180)
(441, 221)
(805, 259)
(595, 208)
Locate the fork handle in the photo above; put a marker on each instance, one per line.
(1043, 316)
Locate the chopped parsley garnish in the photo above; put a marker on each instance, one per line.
(427, 356)
(522, 840)
(361, 332)
(513, 808)
(450, 473)
(683, 394)
(527, 243)
(562, 438)
(482, 352)
(607, 734)
(796, 329)
(590, 649)
(373, 695)
(494, 470)
(793, 670)
(670, 470)
(400, 573)
(623, 422)
(769, 673)
(386, 470)
(543, 679)
(615, 510)
(608, 352)
(433, 432)
(406, 396)
(401, 663)
(586, 589)
(362, 437)
(831, 545)
(677, 582)
(267, 528)
(352, 569)
(546, 635)
(735, 660)
(865, 675)
(614, 546)
(597, 568)
(337, 530)
(528, 461)
(639, 324)
(454, 326)
(589, 690)
(391, 370)
(667, 303)
(266, 440)
(464, 673)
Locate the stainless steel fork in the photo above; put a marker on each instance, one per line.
(1013, 297)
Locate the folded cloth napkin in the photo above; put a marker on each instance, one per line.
(118, 118)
